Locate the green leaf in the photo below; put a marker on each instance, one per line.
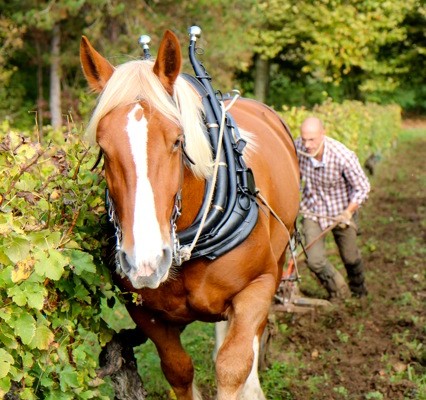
(5, 313)
(27, 394)
(43, 338)
(26, 183)
(35, 298)
(69, 378)
(29, 293)
(17, 295)
(27, 360)
(25, 327)
(45, 239)
(7, 337)
(82, 262)
(5, 385)
(59, 395)
(16, 247)
(6, 360)
(50, 263)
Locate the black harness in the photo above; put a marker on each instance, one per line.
(234, 211)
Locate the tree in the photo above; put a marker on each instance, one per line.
(336, 43)
(46, 67)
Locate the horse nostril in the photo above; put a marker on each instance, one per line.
(167, 254)
(124, 262)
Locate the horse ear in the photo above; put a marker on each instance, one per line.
(96, 68)
(169, 61)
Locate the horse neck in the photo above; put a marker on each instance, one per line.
(192, 199)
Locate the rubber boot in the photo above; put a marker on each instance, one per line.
(356, 279)
(334, 283)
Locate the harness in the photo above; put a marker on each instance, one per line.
(233, 212)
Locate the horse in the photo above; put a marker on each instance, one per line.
(149, 124)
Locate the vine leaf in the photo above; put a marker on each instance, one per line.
(50, 263)
(22, 269)
(82, 262)
(16, 248)
(25, 327)
(6, 360)
(43, 338)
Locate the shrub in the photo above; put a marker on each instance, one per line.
(51, 275)
(364, 128)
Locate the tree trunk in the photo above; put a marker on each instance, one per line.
(55, 82)
(261, 80)
(40, 95)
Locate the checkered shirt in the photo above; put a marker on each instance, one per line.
(328, 186)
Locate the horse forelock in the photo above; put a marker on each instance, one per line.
(135, 81)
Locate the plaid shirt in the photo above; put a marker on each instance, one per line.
(328, 186)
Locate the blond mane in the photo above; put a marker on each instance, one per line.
(135, 81)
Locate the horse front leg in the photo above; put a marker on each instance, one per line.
(118, 360)
(237, 358)
(176, 364)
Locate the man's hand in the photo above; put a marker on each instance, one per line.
(344, 219)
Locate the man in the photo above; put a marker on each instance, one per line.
(334, 186)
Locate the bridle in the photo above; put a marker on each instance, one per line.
(178, 257)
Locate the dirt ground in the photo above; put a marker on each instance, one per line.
(373, 348)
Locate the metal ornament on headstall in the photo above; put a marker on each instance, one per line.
(143, 42)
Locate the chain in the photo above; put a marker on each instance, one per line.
(114, 220)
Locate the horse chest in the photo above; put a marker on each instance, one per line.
(175, 301)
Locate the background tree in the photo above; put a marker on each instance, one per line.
(48, 61)
(284, 52)
(338, 48)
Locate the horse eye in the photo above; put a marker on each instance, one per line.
(178, 142)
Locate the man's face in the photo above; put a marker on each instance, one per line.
(312, 139)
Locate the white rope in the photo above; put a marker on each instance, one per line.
(314, 154)
(186, 251)
(335, 219)
(290, 239)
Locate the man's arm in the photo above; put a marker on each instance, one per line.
(358, 181)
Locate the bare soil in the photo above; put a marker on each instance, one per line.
(375, 347)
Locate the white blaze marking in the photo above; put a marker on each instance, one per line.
(146, 230)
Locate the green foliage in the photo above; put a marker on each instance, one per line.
(364, 128)
(367, 50)
(277, 379)
(51, 276)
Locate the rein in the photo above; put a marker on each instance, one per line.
(334, 219)
(293, 241)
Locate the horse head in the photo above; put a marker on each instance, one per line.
(138, 125)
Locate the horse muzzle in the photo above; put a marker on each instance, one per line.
(146, 273)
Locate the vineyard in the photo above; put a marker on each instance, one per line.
(56, 292)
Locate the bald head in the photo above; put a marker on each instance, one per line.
(312, 125)
(312, 133)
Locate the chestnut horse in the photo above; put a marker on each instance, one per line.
(148, 122)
